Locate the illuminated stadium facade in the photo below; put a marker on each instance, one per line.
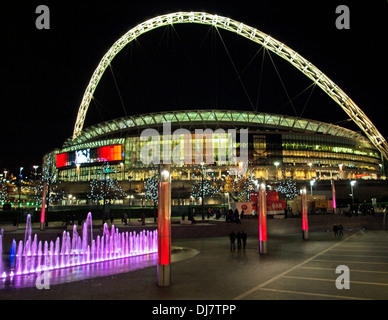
(279, 147)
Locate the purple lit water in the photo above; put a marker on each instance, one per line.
(73, 249)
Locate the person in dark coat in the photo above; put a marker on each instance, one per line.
(244, 239)
(232, 238)
(237, 217)
(238, 237)
(340, 230)
(335, 230)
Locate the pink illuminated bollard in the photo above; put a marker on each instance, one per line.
(305, 225)
(262, 207)
(164, 226)
(333, 193)
(43, 211)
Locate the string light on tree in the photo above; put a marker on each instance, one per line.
(151, 189)
(288, 188)
(151, 186)
(108, 189)
(204, 186)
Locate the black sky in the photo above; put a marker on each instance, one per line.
(45, 72)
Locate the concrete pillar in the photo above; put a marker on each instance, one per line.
(305, 226)
(262, 207)
(164, 226)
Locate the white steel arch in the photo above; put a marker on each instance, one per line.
(277, 47)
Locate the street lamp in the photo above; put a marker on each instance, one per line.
(310, 164)
(202, 191)
(352, 184)
(276, 165)
(35, 167)
(20, 185)
(312, 182)
(130, 192)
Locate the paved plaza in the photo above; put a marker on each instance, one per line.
(292, 269)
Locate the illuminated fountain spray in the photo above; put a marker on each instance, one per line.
(74, 250)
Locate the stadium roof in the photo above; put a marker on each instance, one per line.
(209, 118)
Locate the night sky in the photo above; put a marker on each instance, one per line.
(45, 72)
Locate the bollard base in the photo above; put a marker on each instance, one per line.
(263, 247)
(164, 275)
(305, 234)
(42, 226)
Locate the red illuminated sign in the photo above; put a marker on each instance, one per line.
(62, 160)
(109, 153)
(101, 154)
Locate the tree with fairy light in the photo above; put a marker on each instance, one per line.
(151, 186)
(55, 194)
(106, 190)
(288, 188)
(54, 191)
(240, 188)
(204, 186)
(6, 191)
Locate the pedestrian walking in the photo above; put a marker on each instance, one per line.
(238, 241)
(335, 230)
(244, 239)
(232, 238)
(237, 217)
(340, 230)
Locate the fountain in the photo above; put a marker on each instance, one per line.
(32, 256)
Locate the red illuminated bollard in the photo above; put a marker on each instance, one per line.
(43, 210)
(305, 225)
(164, 226)
(262, 210)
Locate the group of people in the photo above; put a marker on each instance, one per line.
(241, 238)
(234, 216)
(338, 230)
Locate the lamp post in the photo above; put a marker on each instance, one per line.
(276, 174)
(310, 165)
(352, 184)
(129, 195)
(20, 185)
(202, 191)
(312, 182)
(164, 226)
(35, 168)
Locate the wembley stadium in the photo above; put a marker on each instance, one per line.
(280, 148)
(105, 161)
